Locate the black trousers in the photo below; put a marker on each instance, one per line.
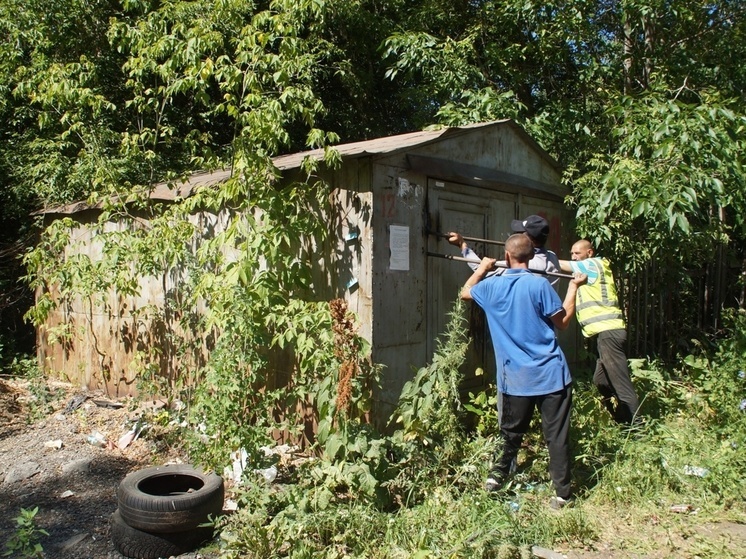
(515, 417)
(612, 376)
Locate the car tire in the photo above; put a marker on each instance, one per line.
(137, 544)
(168, 499)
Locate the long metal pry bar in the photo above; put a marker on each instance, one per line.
(473, 239)
(473, 261)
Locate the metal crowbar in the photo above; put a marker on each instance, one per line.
(473, 239)
(473, 261)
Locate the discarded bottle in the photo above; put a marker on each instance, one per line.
(96, 439)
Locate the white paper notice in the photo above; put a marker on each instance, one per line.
(399, 247)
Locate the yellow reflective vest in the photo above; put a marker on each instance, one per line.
(596, 305)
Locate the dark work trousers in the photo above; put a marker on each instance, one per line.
(515, 418)
(612, 376)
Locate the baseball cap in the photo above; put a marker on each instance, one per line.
(536, 226)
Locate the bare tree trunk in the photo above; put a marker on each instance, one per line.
(648, 27)
(628, 54)
(647, 22)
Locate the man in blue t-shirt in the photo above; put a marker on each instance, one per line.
(522, 312)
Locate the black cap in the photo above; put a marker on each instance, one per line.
(536, 226)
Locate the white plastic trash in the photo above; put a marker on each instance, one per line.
(696, 471)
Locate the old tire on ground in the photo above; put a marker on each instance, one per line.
(137, 544)
(172, 498)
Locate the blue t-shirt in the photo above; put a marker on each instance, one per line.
(519, 306)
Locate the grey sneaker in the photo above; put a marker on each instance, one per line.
(558, 503)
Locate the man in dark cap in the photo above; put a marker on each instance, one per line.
(537, 229)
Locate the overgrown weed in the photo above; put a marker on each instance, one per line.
(42, 395)
(688, 454)
(418, 492)
(23, 543)
(415, 493)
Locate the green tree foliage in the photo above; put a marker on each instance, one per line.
(59, 78)
(641, 101)
(676, 180)
(597, 83)
(245, 74)
(57, 71)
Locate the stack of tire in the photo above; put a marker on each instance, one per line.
(161, 511)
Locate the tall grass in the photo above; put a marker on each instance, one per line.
(688, 452)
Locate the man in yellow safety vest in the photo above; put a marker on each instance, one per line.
(600, 316)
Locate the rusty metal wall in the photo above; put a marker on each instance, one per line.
(399, 278)
(494, 170)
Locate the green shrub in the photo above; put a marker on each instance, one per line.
(418, 492)
(23, 543)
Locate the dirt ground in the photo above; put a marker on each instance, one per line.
(49, 463)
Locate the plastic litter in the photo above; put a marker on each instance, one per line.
(131, 435)
(696, 471)
(56, 444)
(230, 505)
(96, 439)
(125, 440)
(238, 460)
(269, 474)
(681, 508)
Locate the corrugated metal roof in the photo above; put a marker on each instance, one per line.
(166, 191)
(378, 146)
